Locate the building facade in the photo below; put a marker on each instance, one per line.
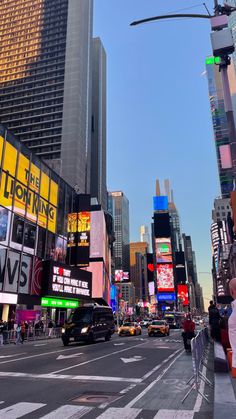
(34, 245)
(98, 184)
(118, 205)
(138, 270)
(220, 127)
(144, 235)
(45, 81)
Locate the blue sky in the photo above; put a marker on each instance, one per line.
(158, 117)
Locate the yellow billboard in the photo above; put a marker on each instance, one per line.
(27, 189)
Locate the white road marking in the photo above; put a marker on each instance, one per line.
(134, 359)
(159, 365)
(118, 344)
(42, 354)
(123, 412)
(69, 356)
(41, 344)
(97, 359)
(70, 377)
(11, 356)
(19, 409)
(130, 387)
(174, 414)
(145, 391)
(68, 411)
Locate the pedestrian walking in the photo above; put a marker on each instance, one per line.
(50, 328)
(188, 333)
(1, 332)
(22, 332)
(214, 322)
(18, 334)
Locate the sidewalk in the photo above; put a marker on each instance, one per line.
(167, 391)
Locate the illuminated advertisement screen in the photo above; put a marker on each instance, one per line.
(163, 250)
(62, 280)
(98, 235)
(183, 294)
(165, 277)
(121, 276)
(78, 229)
(34, 194)
(166, 297)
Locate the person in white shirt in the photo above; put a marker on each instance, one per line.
(232, 324)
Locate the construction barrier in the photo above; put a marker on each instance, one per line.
(199, 348)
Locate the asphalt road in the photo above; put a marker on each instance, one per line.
(112, 379)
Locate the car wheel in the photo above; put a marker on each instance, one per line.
(91, 338)
(107, 337)
(140, 332)
(168, 333)
(65, 342)
(150, 335)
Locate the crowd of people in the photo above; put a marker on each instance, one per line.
(24, 329)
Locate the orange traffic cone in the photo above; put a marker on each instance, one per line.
(233, 372)
(229, 357)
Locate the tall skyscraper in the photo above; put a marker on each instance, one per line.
(138, 269)
(119, 206)
(220, 126)
(98, 186)
(144, 235)
(45, 81)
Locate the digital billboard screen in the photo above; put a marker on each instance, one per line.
(182, 291)
(162, 225)
(160, 203)
(163, 250)
(150, 267)
(165, 277)
(121, 276)
(166, 296)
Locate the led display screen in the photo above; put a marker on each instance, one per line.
(162, 225)
(54, 302)
(34, 194)
(66, 281)
(182, 291)
(163, 250)
(165, 277)
(121, 276)
(150, 267)
(166, 297)
(160, 203)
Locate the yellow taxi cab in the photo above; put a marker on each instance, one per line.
(130, 329)
(158, 327)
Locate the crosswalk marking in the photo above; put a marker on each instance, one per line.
(68, 411)
(174, 414)
(19, 409)
(116, 412)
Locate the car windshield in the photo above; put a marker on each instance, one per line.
(128, 324)
(81, 315)
(158, 323)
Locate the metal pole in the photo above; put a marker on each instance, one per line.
(216, 7)
(229, 111)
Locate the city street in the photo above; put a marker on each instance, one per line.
(128, 377)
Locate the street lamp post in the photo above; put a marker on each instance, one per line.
(219, 11)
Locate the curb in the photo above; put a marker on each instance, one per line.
(224, 397)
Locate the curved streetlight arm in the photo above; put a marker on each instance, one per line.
(151, 19)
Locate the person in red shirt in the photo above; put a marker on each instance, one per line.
(188, 333)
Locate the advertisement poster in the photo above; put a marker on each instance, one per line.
(4, 225)
(183, 294)
(30, 200)
(165, 277)
(163, 250)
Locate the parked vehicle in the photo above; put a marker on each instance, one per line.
(88, 323)
(158, 327)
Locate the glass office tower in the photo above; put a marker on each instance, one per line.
(45, 78)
